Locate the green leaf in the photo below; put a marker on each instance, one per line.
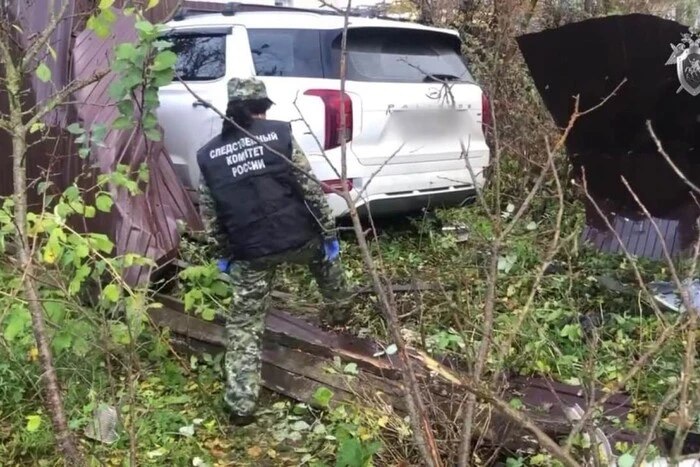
(153, 134)
(56, 311)
(62, 341)
(33, 423)
(38, 126)
(323, 396)
(111, 293)
(43, 72)
(163, 77)
(98, 26)
(149, 121)
(81, 251)
(208, 314)
(104, 4)
(625, 460)
(165, 59)
(150, 97)
(83, 153)
(104, 203)
(71, 193)
(126, 108)
(145, 27)
(119, 333)
(351, 369)
(161, 44)
(97, 133)
(108, 16)
(80, 346)
(349, 453)
(102, 242)
(122, 123)
(15, 323)
(125, 51)
(116, 90)
(75, 129)
(80, 275)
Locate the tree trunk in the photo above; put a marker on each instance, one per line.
(54, 399)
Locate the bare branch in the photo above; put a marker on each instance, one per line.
(58, 98)
(44, 36)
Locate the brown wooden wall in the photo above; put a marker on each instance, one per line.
(144, 224)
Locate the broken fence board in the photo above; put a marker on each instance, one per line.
(296, 355)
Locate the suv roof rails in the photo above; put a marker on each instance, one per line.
(231, 8)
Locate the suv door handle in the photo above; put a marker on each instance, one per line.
(201, 104)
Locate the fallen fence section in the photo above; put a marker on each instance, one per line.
(297, 357)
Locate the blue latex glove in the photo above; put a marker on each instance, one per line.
(224, 265)
(332, 249)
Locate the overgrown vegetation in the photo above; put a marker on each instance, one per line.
(517, 294)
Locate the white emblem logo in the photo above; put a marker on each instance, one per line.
(686, 57)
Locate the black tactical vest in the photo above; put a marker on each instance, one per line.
(259, 201)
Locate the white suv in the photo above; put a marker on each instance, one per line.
(406, 143)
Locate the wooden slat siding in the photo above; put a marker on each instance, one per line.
(143, 224)
(33, 18)
(644, 243)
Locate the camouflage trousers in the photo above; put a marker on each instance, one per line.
(253, 282)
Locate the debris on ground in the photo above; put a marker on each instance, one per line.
(668, 295)
(103, 426)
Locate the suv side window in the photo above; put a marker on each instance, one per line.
(200, 57)
(286, 52)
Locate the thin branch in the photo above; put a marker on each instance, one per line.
(44, 36)
(670, 162)
(58, 98)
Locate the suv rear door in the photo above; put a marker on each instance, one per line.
(407, 112)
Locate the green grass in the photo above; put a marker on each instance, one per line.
(178, 404)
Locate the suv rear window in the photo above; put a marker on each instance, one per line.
(200, 57)
(401, 55)
(286, 52)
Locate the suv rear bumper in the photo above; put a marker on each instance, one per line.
(448, 189)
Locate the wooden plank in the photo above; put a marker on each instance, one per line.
(296, 356)
(289, 331)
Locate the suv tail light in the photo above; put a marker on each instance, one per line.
(329, 185)
(486, 119)
(332, 100)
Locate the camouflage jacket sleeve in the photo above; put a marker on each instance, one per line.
(215, 235)
(313, 194)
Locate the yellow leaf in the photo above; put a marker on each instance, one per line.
(152, 3)
(255, 451)
(33, 354)
(49, 256)
(383, 421)
(272, 454)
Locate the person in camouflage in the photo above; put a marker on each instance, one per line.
(253, 262)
